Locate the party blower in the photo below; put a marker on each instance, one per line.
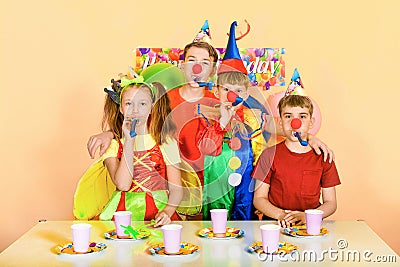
(197, 69)
(234, 98)
(133, 127)
(296, 124)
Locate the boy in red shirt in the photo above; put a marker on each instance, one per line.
(290, 176)
(185, 99)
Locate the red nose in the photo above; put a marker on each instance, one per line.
(296, 124)
(231, 96)
(197, 68)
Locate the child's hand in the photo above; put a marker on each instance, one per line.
(293, 218)
(227, 112)
(319, 147)
(101, 140)
(161, 219)
(126, 127)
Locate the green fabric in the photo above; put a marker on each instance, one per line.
(160, 198)
(108, 211)
(218, 193)
(134, 202)
(138, 80)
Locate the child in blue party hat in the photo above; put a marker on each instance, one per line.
(228, 141)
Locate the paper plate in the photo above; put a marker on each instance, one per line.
(230, 233)
(187, 249)
(68, 249)
(284, 248)
(301, 232)
(113, 235)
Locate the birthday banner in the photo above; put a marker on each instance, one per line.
(265, 66)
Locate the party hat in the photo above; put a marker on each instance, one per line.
(296, 86)
(232, 62)
(204, 34)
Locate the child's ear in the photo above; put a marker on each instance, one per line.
(216, 92)
(120, 109)
(214, 71)
(312, 122)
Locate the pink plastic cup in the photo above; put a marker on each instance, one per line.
(313, 221)
(123, 218)
(219, 218)
(270, 237)
(81, 236)
(172, 237)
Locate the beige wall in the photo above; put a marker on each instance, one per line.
(56, 57)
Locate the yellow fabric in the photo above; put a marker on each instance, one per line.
(169, 150)
(93, 191)
(191, 202)
(112, 150)
(95, 187)
(252, 118)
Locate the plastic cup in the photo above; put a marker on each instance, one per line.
(219, 218)
(123, 218)
(81, 237)
(172, 237)
(313, 221)
(270, 237)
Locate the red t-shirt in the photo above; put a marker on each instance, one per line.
(295, 179)
(188, 124)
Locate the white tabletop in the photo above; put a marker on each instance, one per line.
(349, 243)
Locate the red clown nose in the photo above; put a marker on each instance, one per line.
(295, 123)
(197, 68)
(231, 96)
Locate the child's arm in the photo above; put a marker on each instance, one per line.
(102, 140)
(328, 207)
(121, 171)
(329, 201)
(174, 197)
(262, 203)
(123, 174)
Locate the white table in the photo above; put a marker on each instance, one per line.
(36, 247)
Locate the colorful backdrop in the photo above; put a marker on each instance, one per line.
(57, 56)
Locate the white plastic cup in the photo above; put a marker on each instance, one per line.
(270, 237)
(123, 218)
(81, 237)
(219, 218)
(313, 221)
(172, 237)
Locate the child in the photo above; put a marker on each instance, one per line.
(229, 160)
(290, 175)
(184, 101)
(143, 164)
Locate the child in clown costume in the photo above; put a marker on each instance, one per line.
(227, 141)
(143, 165)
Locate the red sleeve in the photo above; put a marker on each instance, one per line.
(264, 167)
(330, 176)
(209, 139)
